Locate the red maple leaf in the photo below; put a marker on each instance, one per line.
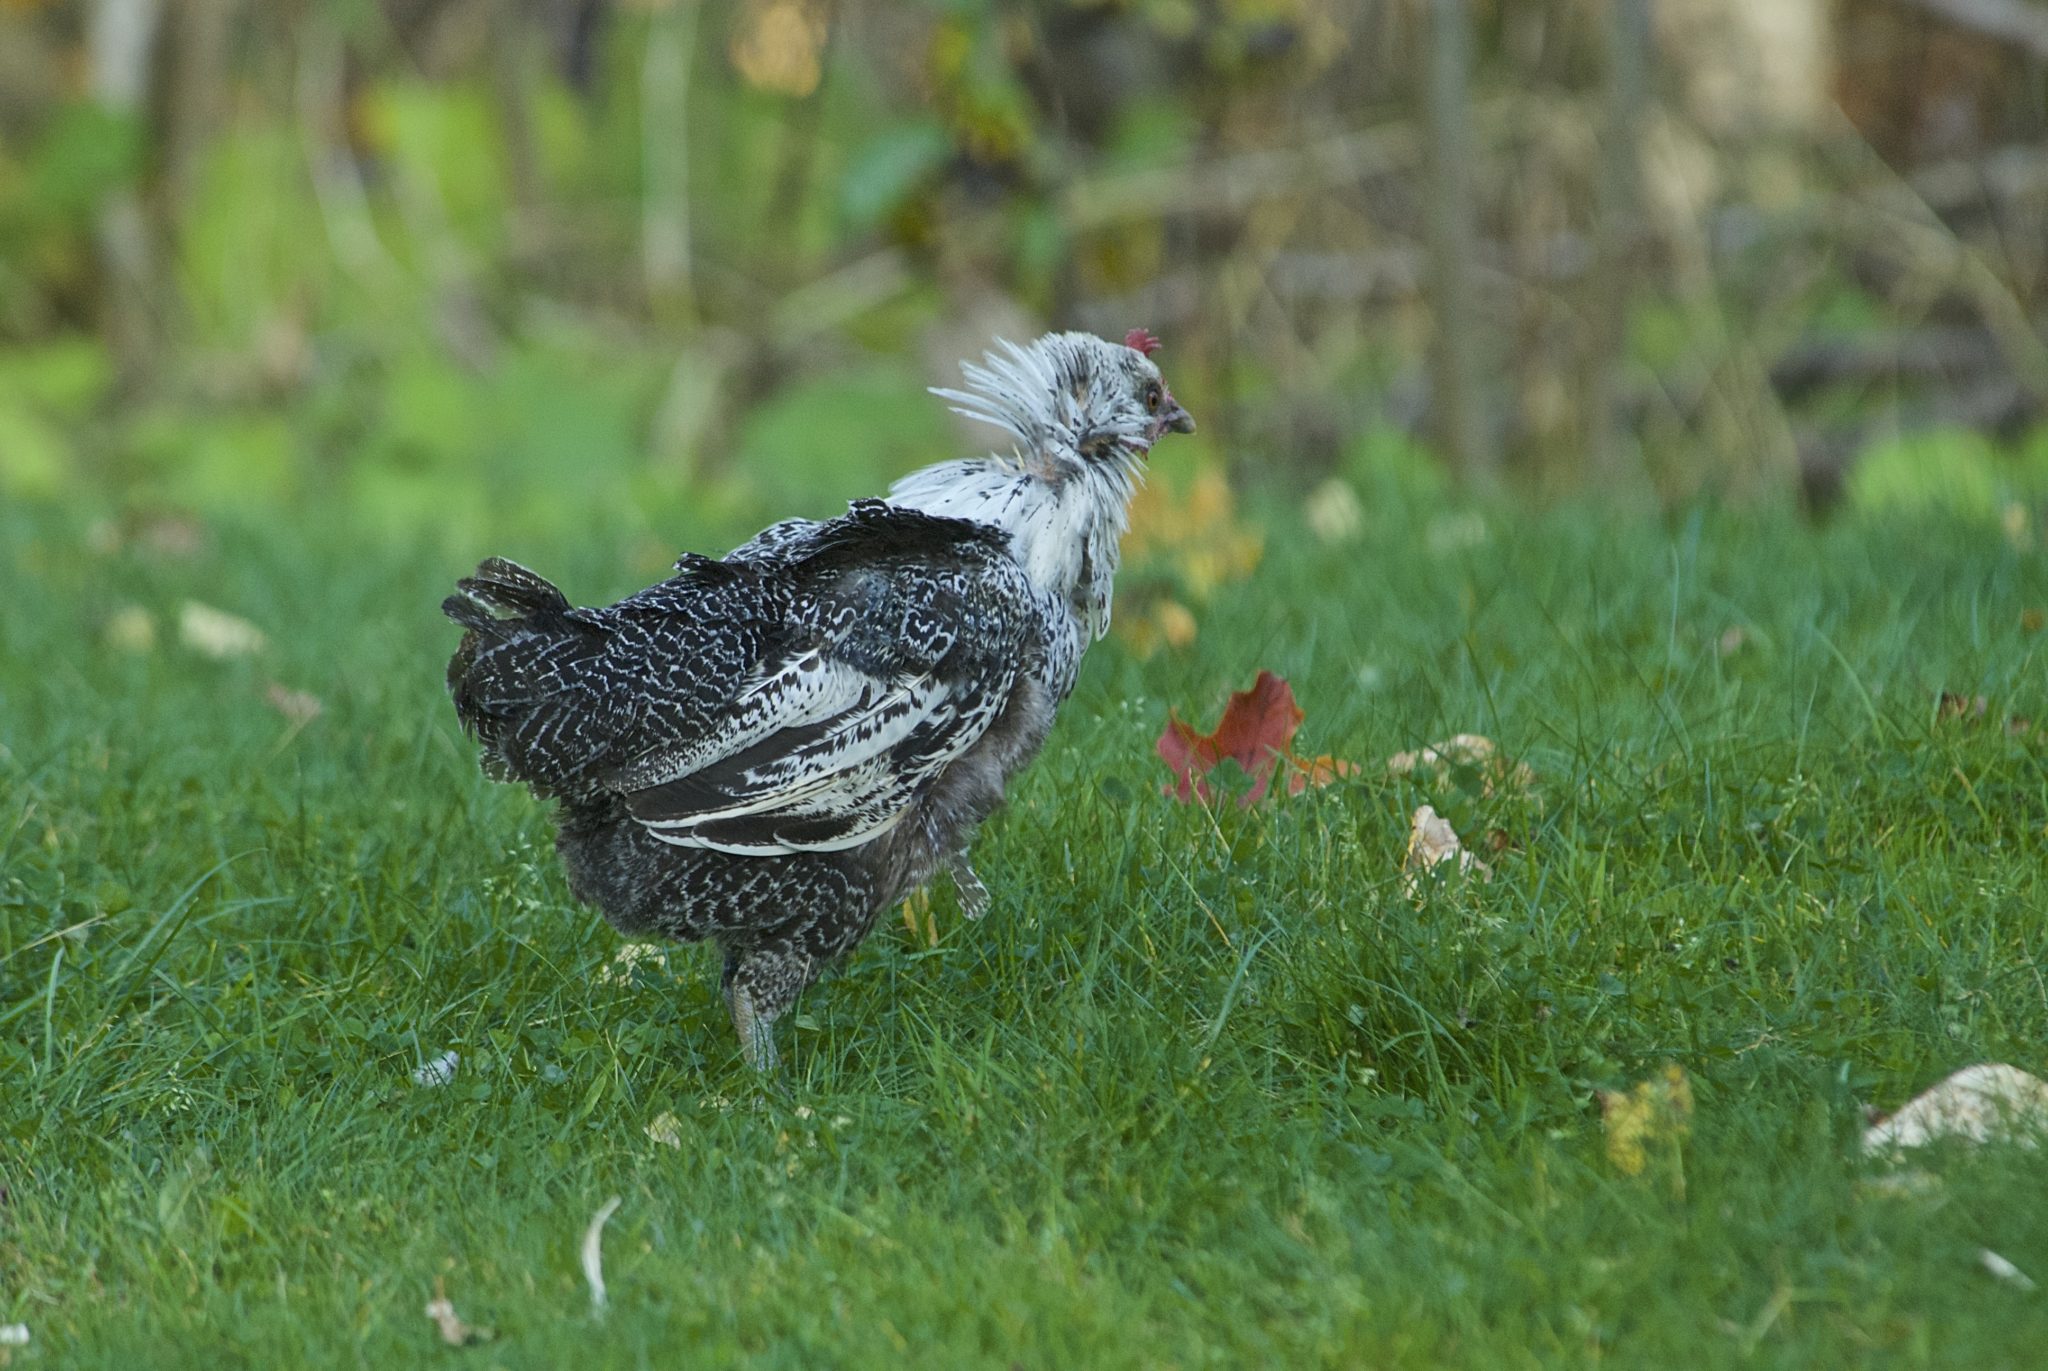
(1256, 729)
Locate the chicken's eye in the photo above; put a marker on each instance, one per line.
(1152, 398)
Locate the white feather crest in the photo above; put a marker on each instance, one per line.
(1052, 396)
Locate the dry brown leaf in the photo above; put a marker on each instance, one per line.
(1954, 706)
(1977, 1104)
(1255, 732)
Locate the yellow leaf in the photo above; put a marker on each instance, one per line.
(130, 629)
(778, 46)
(1196, 534)
(1654, 1113)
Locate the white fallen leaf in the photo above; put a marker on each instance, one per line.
(630, 955)
(454, 1331)
(1473, 750)
(1332, 511)
(1431, 842)
(217, 633)
(666, 1130)
(439, 1071)
(1909, 1184)
(1977, 1104)
(1454, 532)
(593, 1251)
(297, 706)
(2003, 1269)
(13, 1335)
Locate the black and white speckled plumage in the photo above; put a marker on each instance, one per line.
(768, 749)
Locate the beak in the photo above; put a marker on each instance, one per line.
(1178, 419)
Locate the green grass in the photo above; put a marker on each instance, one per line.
(1204, 1089)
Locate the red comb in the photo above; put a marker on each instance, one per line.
(1142, 340)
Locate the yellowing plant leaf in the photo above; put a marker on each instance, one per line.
(1194, 537)
(1158, 622)
(918, 905)
(1654, 1114)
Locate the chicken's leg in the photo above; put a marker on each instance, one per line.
(757, 1033)
(758, 987)
(973, 894)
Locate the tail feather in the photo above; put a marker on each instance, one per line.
(507, 670)
(503, 587)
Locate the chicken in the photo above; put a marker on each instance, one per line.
(767, 750)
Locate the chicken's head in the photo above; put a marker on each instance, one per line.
(1074, 396)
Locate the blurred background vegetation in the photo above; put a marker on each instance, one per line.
(472, 270)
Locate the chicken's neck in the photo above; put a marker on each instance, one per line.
(1063, 530)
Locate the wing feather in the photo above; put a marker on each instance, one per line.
(886, 645)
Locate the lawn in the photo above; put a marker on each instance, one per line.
(1206, 1088)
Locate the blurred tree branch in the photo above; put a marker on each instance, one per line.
(1618, 234)
(1455, 400)
(121, 50)
(665, 155)
(2008, 21)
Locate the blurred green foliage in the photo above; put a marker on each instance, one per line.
(462, 266)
